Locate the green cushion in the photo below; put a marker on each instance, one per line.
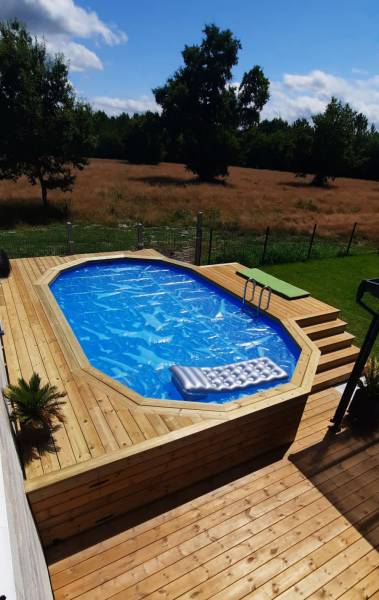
(287, 290)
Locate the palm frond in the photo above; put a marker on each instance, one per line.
(35, 403)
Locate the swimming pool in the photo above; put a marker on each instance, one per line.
(135, 318)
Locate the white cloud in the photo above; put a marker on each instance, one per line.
(304, 95)
(115, 106)
(79, 57)
(60, 22)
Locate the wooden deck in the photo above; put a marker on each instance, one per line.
(93, 427)
(292, 523)
(98, 422)
(305, 525)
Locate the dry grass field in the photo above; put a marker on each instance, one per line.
(111, 191)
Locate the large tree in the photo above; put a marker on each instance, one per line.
(203, 111)
(339, 141)
(44, 130)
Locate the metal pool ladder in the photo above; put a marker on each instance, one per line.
(261, 295)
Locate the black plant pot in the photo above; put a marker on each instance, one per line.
(364, 410)
(5, 267)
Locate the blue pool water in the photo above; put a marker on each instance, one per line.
(135, 318)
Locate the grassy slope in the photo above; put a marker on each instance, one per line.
(335, 281)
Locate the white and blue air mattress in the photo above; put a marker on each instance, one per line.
(197, 382)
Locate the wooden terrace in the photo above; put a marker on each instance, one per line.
(99, 421)
(155, 491)
(301, 526)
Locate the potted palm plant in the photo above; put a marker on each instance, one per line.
(35, 406)
(364, 407)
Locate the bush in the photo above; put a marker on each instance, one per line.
(34, 405)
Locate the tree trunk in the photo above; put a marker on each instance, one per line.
(43, 191)
(320, 180)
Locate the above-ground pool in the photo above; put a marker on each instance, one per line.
(136, 318)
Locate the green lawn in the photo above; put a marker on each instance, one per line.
(335, 281)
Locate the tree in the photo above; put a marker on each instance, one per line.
(369, 168)
(203, 111)
(45, 130)
(144, 139)
(338, 141)
(110, 134)
(302, 134)
(268, 145)
(253, 94)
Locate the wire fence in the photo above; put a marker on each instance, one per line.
(272, 247)
(198, 244)
(174, 242)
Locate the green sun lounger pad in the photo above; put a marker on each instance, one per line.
(287, 290)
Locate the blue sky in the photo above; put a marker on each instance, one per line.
(120, 50)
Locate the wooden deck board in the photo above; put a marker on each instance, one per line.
(98, 420)
(93, 424)
(305, 525)
(295, 528)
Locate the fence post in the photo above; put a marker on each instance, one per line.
(351, 239)
(70, 239)
(199, 238)
(140, 237)
(311, 241)
(265, 246)
(210, 245)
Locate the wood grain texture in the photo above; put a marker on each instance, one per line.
(303, 526)
(303, 376)
(31, 576)
(117, 451)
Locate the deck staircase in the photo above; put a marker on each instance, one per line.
(338, 353)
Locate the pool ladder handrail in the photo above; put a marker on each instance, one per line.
(268, 298)
(254, 283)
(260, 299)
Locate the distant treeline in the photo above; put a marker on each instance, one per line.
(206, 121)
(274, 144)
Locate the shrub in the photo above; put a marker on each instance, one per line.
(35, 405)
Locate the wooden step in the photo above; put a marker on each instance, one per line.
(332, 377)
(326, 329)
(322, 317)
(334, 342)
(331, 360)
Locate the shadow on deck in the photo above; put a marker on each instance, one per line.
(345, 469)
(270, 528)
(133, 518)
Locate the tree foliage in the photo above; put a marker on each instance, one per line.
(45, 130)
(143, 140)
(110, 134)
(268, 145)
(339, 139)
(274, 144)
(207, 122)
(334, 143)
(202, 111)
(253, 93)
